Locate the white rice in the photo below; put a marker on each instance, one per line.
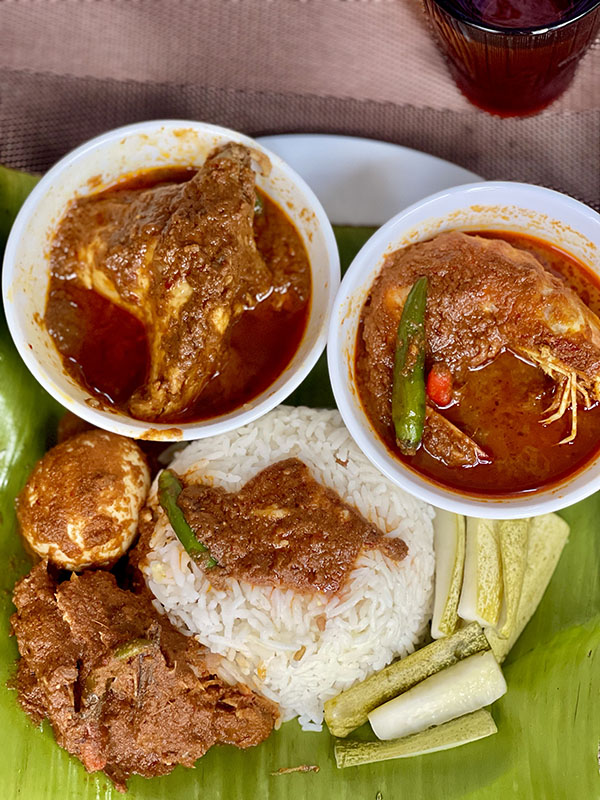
(380, 612)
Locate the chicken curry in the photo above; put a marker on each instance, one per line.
(179, 294)
(512, 360)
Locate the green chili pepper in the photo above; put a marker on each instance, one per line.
(132, 648)
(169, 489)
(408, 389)
(259, 206)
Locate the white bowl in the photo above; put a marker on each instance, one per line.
(99, 163)
(518, 207)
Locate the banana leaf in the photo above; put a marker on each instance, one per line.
(547, 745)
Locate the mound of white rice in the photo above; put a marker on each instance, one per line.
(299, 650)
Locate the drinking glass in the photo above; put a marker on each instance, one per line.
(512, 71)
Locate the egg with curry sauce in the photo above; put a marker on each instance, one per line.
(81, 504)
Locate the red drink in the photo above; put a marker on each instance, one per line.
(518, 13)
(514, 57)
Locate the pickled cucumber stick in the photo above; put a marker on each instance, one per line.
(548, 535)
(482, 590)
(513, 535)
(348, 710)
(463, 730)
(449, 542)
(461, 689)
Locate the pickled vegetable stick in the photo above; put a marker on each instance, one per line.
(513, 536)
(481, 597)
(469, 728)
(349, 710)
(548, 535)
(460, 689)
(449, 542)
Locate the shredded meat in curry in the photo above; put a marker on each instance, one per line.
(124, 691)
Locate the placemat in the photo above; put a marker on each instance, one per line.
(70, 69)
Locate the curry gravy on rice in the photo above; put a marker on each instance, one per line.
(131, 689)
(282, 528)
(340, 583)
(512, 322)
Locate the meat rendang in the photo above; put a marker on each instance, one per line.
(511, 335)
(178, 294)
(123, 689)
(283, 528)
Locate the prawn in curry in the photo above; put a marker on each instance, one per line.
(512, 360)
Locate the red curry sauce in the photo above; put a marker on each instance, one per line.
(500, 406)
(104, 347)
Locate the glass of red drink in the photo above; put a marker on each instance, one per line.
(513, 57)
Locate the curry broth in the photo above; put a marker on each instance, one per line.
(104, 347)
(500, 406)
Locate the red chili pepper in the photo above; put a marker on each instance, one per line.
(439, 385)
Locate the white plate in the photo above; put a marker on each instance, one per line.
(363, 181)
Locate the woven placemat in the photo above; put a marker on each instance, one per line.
(70, 69)
(364, 49)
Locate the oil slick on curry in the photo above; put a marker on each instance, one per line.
(512, 360)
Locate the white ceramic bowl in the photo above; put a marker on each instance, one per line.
(99, 163)
(518, 207)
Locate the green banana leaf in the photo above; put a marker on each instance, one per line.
(549, 721)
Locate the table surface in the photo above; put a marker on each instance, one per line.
(71, 68)
(366, 49)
